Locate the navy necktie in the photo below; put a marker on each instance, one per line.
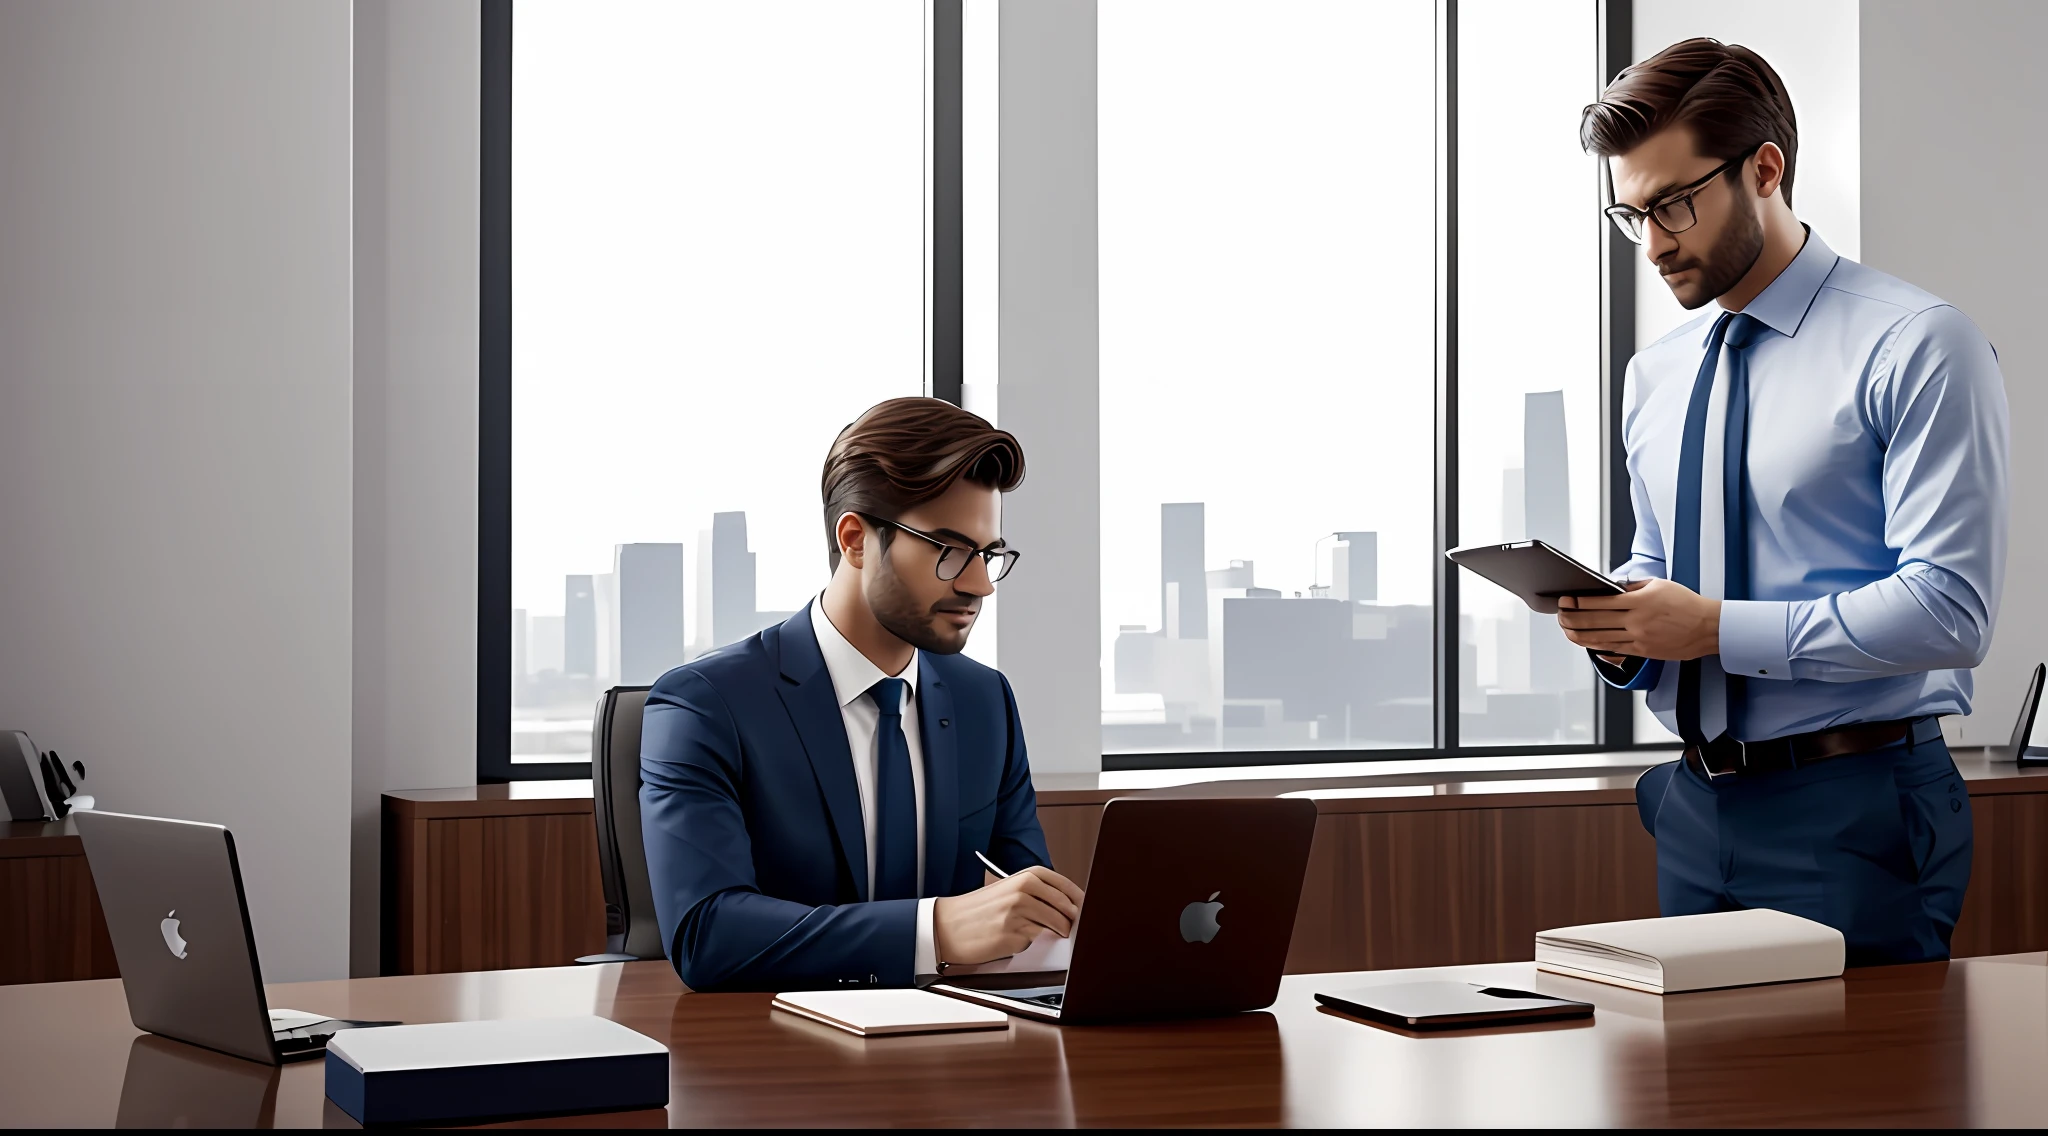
(1702, 680)
(895, 797)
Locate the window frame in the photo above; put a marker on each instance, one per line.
(944, 325)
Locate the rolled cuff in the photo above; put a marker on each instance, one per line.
(1756, 638)
(1635, 674)
(926, 964)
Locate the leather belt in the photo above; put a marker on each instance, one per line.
(1726, 757)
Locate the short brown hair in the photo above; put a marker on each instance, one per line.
(1731, 99)
(907, 451)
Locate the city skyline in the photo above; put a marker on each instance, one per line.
(1231, 664)
(1235, 665)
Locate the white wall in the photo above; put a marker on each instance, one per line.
(175, 466)
(417, 104)
(1953, 99)
(1812, 45)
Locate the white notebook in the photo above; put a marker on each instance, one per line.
(1694, 952)
(443, 1045)
(877, 1013)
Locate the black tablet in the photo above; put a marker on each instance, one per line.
(1535, 572)
(1451, 1005)
(2023, 730)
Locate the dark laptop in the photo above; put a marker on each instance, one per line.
(1190, 909)
(172, 892)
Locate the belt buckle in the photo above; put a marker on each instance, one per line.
(1721, 745)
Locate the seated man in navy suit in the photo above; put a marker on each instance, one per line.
(813, 797)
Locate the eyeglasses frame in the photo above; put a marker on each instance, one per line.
(947, 548)
(1621, 214)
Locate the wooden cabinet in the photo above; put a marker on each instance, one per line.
(1406, 871)
(51, 926)
(486, 879)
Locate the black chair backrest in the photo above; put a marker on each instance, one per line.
(621, 857)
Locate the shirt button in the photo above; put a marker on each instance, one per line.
(1762, 671)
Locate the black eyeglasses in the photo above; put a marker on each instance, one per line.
(953, 559)
(1675, 213)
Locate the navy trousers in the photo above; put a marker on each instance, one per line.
(1876, 845)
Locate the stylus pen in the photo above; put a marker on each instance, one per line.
(991, 866)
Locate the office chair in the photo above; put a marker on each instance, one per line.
(631, 932)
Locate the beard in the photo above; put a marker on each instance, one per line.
(900, 614)
(1723, 265)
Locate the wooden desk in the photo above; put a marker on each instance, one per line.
(1415, 863)
(1932, 1045)
(51, 926)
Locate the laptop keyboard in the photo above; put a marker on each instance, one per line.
(1053, 996)
(304, 1039)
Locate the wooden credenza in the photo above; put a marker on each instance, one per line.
(1406, 870)
(51, 926)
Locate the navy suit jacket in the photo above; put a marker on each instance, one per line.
(751, 815)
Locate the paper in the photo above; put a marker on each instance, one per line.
(1047, 952)
(872, 1013)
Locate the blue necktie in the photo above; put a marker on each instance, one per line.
(1698, 678)
(895, 797)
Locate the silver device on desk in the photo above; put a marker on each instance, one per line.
(1190, 910)
(172, 892)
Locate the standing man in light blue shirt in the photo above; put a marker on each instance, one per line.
(1818, 469)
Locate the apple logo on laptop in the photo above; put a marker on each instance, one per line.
(172, 939)
(1198, 920)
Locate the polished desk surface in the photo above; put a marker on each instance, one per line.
(1938, 1044)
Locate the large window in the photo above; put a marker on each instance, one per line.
(1269, 395)
(1357, 305)
(1267, 365)
(1529, 385)
(718, 235)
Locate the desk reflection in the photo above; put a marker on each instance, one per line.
(1236, 1072)
(170, 1084)
(1786, 1054)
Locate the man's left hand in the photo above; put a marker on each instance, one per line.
(1654, 619)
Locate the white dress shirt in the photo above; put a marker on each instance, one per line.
(853, 675)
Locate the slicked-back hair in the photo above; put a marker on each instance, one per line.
(1730, 98)
(907, 451)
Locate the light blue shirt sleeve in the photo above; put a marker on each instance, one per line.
(1938, 404)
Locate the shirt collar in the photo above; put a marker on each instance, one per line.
(1783, 304)
(852, 672)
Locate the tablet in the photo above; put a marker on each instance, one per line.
(2022, 749)
(1535, 572)
(1451, 1005)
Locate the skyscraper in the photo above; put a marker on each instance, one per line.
(651, 599)
(605, 587)
(1546, 474)
(1355, 567)
(1183, 588)
(700, 598)
(579, 626)
(544, 644)
(519, 661)
(1554, 664)
(732, 580)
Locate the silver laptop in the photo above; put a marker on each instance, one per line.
(172, 892)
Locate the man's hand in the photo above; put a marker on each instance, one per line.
(1655, 619)
(1000, 919)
